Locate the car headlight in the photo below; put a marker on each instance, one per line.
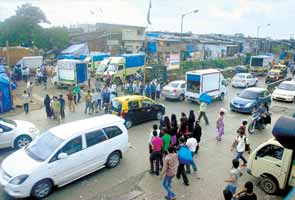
(18, 180)
(248, 105)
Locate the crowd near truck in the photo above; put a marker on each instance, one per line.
(274, 161)
(69, 72)
(209, 81)
(125, 66)
(259, 65)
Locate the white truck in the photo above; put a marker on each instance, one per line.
(274, 160)
(69, 72)
(209, 81)
(30, 62)
(259, 65)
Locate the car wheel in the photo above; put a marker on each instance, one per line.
(159, 115)
(269, 185)
(221, 97)
(181, 97)
(247, 85)
(22, 141)
(255, 84)
(113, 159)
(128, 123)
(42, 189)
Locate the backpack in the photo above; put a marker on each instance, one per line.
(185, 155)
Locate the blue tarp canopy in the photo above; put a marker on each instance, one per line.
(133, 60)
(152, 47)
(206, 98)
(6, 93)
(99, 56)
(76, 51)
(283, 55)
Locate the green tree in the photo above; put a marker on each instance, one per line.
(32, 13)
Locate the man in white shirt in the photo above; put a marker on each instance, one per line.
(191, 143)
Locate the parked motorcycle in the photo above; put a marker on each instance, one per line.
(257, 123)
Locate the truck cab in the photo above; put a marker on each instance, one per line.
(259, 65)
(273, 162)
(102, 67)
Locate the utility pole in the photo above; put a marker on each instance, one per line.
(185, 14)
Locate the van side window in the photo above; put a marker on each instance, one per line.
(133, 104)
(120, 67)
(272, 151)
(73, 146)
(112, 131)
(94, 138)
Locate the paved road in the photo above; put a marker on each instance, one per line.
(214, 159)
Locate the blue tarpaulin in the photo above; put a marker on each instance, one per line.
(134, 60)
(191, 48)
(152, 47)
(99, 56)
(283, 55)
(205, 98)
(81, 72)
(76, 51)
(192, 77)
(6, 93)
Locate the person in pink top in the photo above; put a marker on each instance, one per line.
(220, 125)
(156, 155)
(169, 170)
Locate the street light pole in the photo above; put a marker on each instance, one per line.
(258, 30)
(185, 14)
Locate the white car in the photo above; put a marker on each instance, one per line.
(63, 154)
(244, 80)
(16, 133)
(174, 90)
(285, 91)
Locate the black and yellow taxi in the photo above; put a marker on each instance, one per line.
(136, 109)
(274, 75)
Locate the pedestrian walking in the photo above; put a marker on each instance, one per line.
(26, 101)
(48, 109)
(227, 194)
(220, 125)
(235, 174)
(45, 78)
(191, 143)
(174, 129)
(105, 94)
(141, 88)
(137, 89)
(88, 98)
(158, 91)
(71, 103)
(167, 125)
(197, 133)
(241, 142)
(30, 90)
(148, 90)
(156, 155)
(153, 91)
(169, 171)
(243, 127)
(166, 140)
(183, 118)
(180, 169)
(191, 121)
(246, 193)
(77, 93)
(97, 85)
(94, 101)
(155, 128)
(56, 109)
(203, 109)
(62, 106)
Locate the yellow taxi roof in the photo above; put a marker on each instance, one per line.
(280, 65)
(275, 70)
(129, 97)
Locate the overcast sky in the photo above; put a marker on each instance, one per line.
(215, 16)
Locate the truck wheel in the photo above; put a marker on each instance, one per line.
(269, 185)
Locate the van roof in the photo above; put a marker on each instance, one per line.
(129, 97)
(67, 130)
(204, 71)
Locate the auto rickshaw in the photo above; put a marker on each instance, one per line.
(274, 75)
(281, 67)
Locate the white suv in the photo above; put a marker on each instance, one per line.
(63, 154)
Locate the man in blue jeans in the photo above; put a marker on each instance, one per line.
(169, 171)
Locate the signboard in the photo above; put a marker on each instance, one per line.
(172, 61)
(66, 71)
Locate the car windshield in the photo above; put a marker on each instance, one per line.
(246, 94)
(8, 121)
(112, 68)
(41, 148)
(101, 68)
(287, 86)
(173, 84)
(272, 73)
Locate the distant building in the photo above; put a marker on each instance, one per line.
(114, 38)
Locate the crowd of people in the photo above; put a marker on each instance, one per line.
(173, 146)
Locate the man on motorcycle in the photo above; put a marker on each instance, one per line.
(263, 112)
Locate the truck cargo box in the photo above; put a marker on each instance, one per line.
(284, 132)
